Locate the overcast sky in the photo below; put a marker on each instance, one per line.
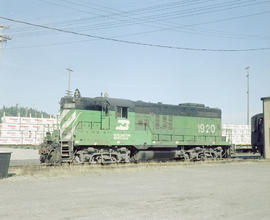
(33, 64)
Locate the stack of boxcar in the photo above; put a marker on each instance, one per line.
(109, 130)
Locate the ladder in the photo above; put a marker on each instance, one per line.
(65, 150)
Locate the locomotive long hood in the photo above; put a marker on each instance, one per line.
(97, 103)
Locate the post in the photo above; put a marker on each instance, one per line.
(68, 90)
(266, 119)
(247, 69)
(3, 38)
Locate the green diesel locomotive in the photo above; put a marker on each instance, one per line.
(109, 130)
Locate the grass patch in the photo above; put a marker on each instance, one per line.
(67, 170)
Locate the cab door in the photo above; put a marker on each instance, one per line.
(105, 117)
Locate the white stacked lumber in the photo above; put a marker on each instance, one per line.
(236, 133)
(25, 130)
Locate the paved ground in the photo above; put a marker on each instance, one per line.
(184, 191)
(22, 156)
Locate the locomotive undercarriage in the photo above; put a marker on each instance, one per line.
(130, 154)
(102, 155)
(52, 154)
(201, 153)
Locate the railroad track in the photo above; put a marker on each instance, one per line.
(237, 158)
(248, 156)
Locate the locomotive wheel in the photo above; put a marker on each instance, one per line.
(53, 157)
(42, 158)
(201, 156)
(77, 159)
(99, 159)
(214, 155)
(186, 156)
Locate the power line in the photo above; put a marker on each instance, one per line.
(132, 42)
(174, 6)
(186, 26)
(169, 26)
(106, 16)
(151, 19)
(176, 14)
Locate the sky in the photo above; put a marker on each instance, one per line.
(33, 63)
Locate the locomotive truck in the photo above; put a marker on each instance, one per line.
(111, 130)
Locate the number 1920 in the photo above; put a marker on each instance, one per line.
(206, 128)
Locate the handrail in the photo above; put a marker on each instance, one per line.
(88, 122)
(185, 137)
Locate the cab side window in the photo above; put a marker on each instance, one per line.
(121, 112)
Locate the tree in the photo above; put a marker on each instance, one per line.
(22, 111)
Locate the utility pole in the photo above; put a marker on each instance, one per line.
(247, 69)
(69, 72)
(3, 38)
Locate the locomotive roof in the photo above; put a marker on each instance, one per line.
(185, 109)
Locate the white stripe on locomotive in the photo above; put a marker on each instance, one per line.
(63, 114)
(69, 121)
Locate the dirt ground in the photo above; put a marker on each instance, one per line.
(175, 191)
